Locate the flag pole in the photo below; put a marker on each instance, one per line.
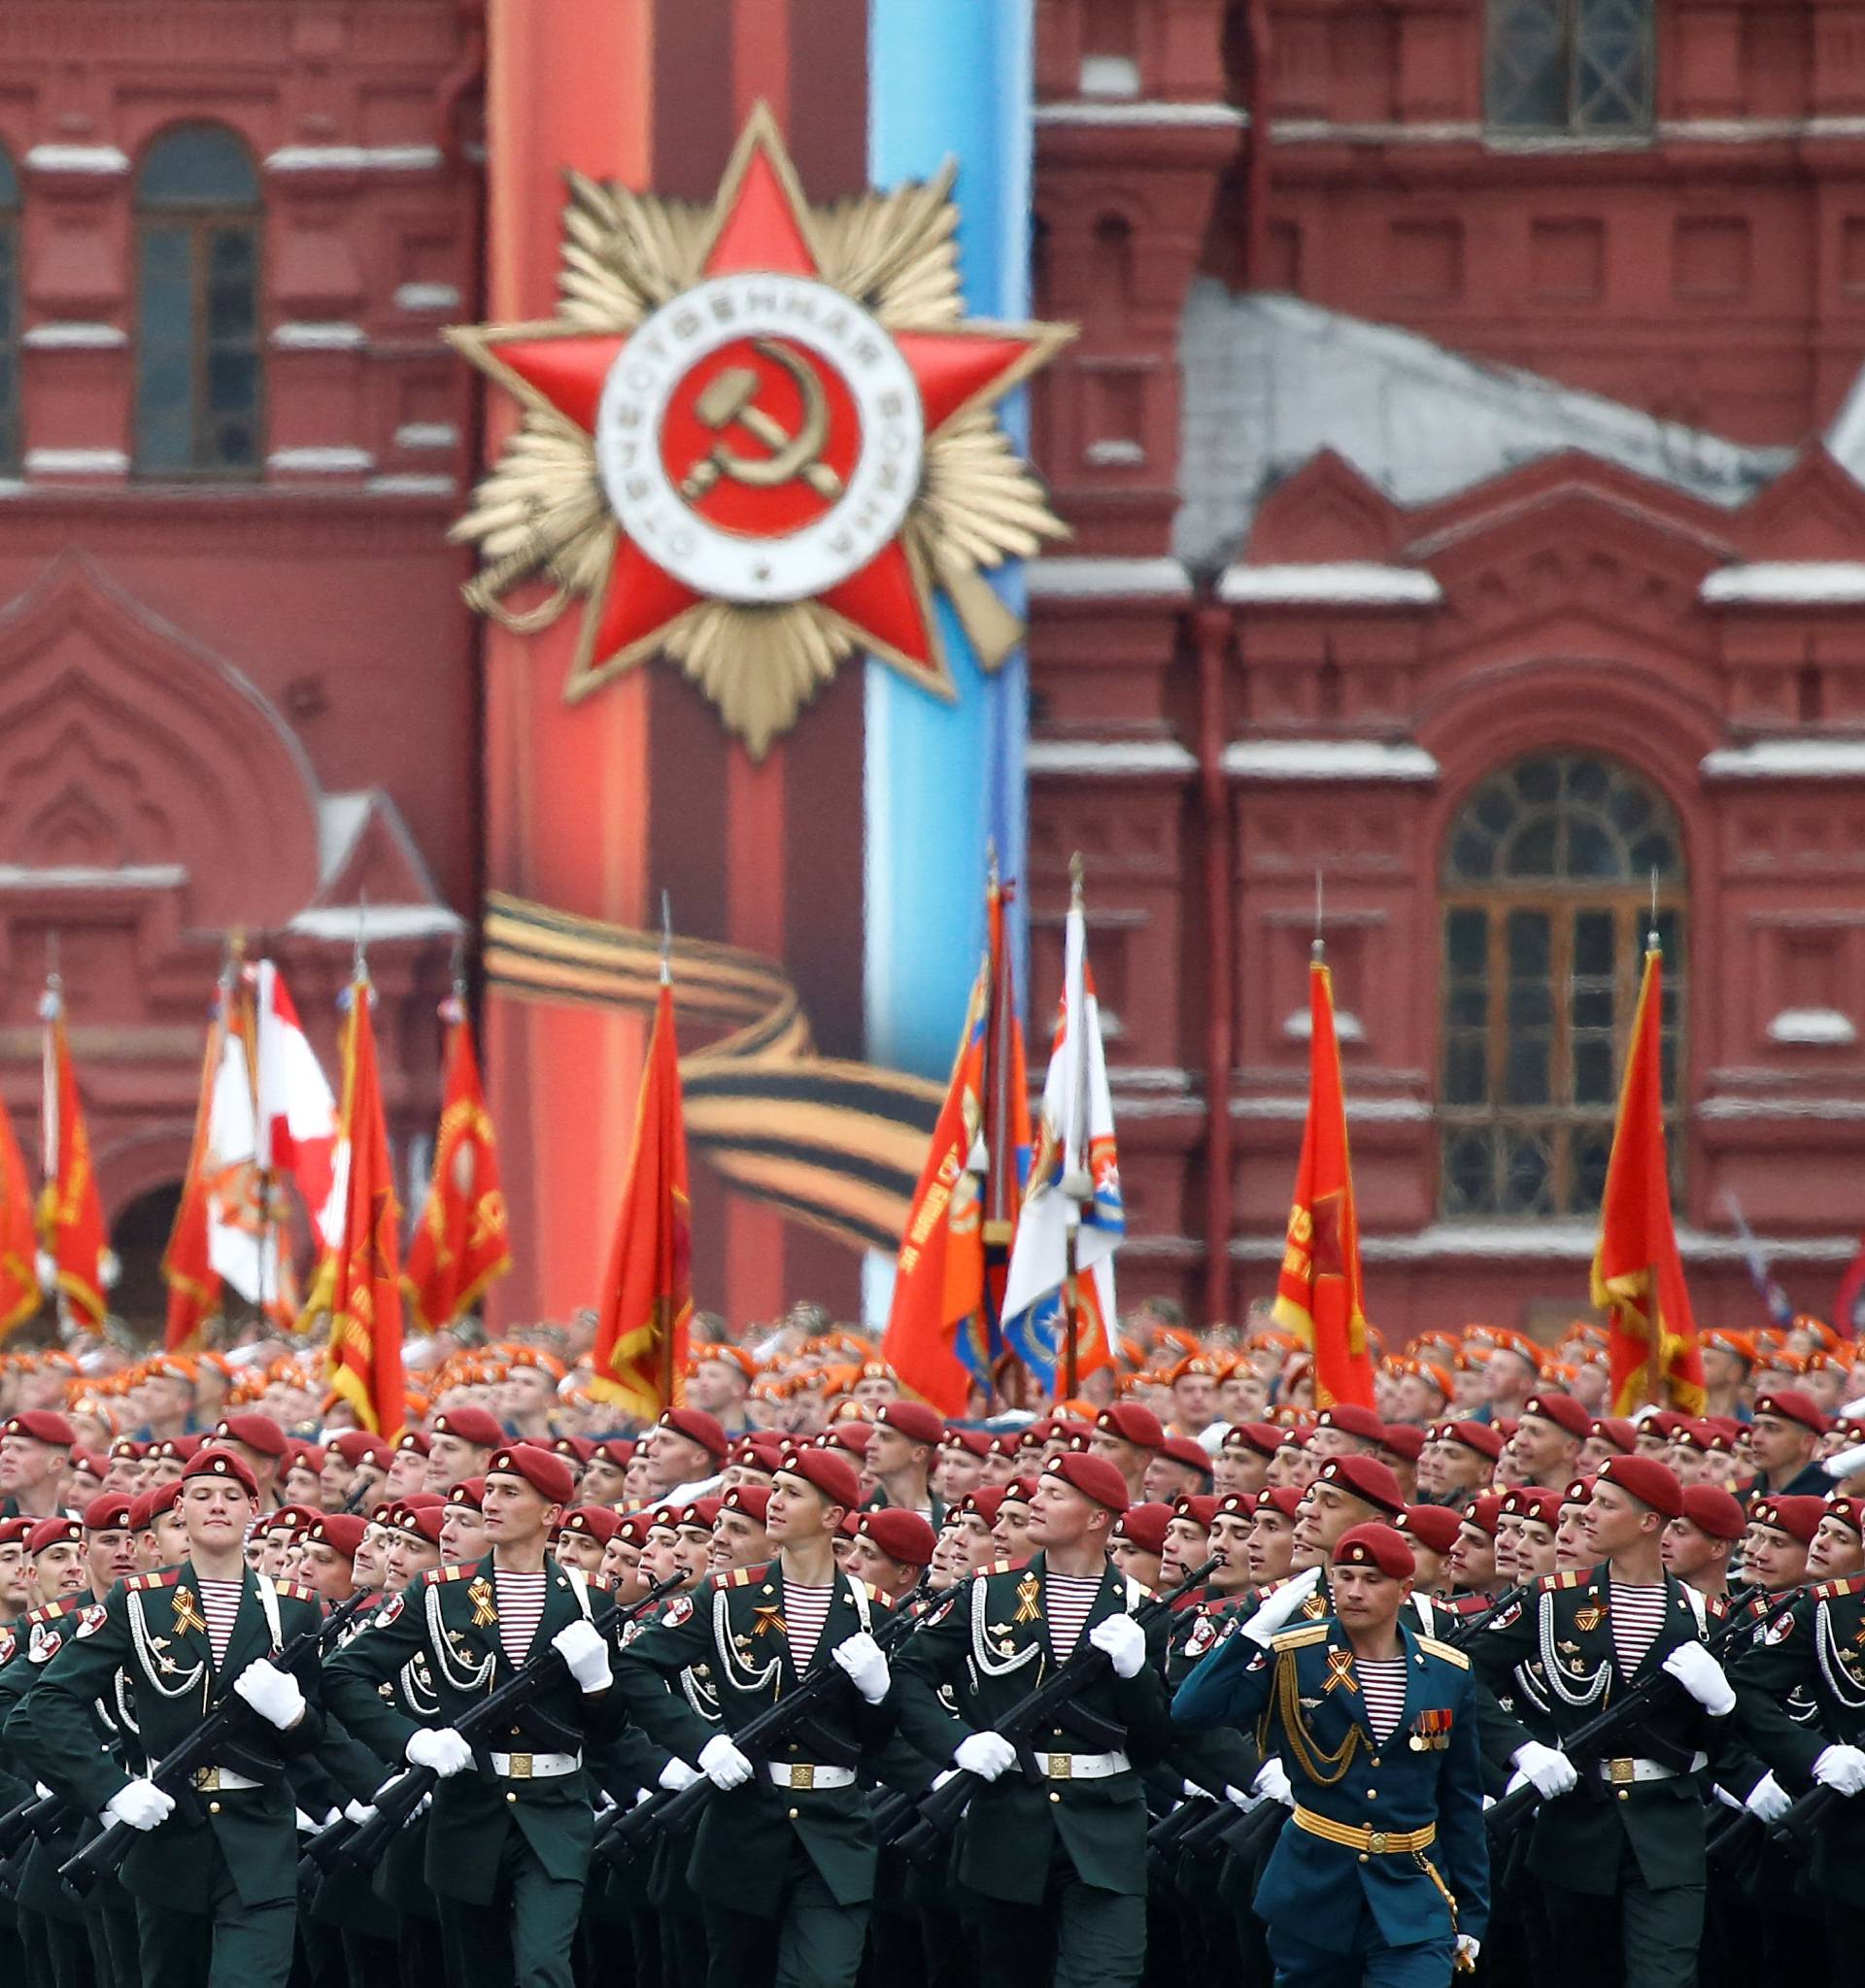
(663, 1304)
(1070, 1287)
(50, 1130)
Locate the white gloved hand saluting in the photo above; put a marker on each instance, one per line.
(1281, 1607)
(1546, 1767)
(141, 1804)
(1123, 1642)
(984, 1754)
(440, 1748)
(864, 1663)
(1701, 1675)
(721, 1763)
(1841, 1769)
(274, 1694)
(584, 1651)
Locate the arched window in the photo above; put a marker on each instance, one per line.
(198, 384)
(9, 317)
(1547, 901)
(1580, 66)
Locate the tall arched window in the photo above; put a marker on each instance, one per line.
(1579, 66)
(1547, 901)
(198, 382)
(9, 317)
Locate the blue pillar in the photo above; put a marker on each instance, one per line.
(948, 79)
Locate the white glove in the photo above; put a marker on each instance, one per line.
(358, 1812)
(721, 1763)
(985, 1754)
(1241, 1797)
(1727, 1799)
(676, 1774)
(1768, 1801)
(441, 1748)
(1194, 1793)
(1282, 1606)
(939, 1779)
(40, 1789)
(1123, 1642)
(303, 1824)
(143, 1806)
(1845, 1464)
(864, 1663)
(1841, 1769)
(274, 1694)
(1468, 1948)
(1548, 1767)
(585, 1651)
(1855, 1406)
(1701, 1675)
(1272, 1782)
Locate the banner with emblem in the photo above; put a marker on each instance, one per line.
(459, 1244)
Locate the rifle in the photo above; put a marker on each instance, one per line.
(175, 1770)
(38, 1815)
(1594, 1740)
(939, 1810)
(675, 1811)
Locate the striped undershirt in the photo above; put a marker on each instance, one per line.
(806, 1616)
(1638, 1615)
(1383, 1687)
(521, 1608)
(1068, 1599)
(220, 1604)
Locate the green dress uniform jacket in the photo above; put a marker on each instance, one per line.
(1577, 1840)
(727, 1641)
(1427, 1775)
(992, 1649)
(150, 1628)
(449, 1619)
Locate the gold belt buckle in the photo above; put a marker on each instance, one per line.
(802, 1774)
(521, 1767)
(207, 1780)
(1062, 1766)
(1376, 1842)
(1621, 1773)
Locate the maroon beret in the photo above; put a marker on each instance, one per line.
(466, 1492)
(1645, 1478)
(633, 1530)
(16, 1532)
(1144, 1525)
(129, 1448)
(1095, 1477)
(223, 1464)
(828, 1472)
(1562, 1410)
(1279, 1497)
(578, 1448)
(975, 1442)
(1790, 1404)
(257, 1431)
(1532, 1501)
(698, 1514)
(984, 1502)
(617, 1450)
(597, 1521)
(1365, 1478)
(1352, 1420)
(42, 1425)
(544, 1470)
(1483, 1512)
(697, 1426)
(1181, 1449)
(342, 1532)
(1200, 1507)
(470, 1425)
(152, 1503)
(1480, 1437)
(1714, 1511)
(358, 1446)
(1132, 1422)
(414, 1439)
(1403, 1439)
(901, 1536)
(852, 1437)
(1622, 1434)
(108, 1513)
(424, 1521)
(1433, 1525)
(913, 1419)
(1798, 1517)
(753, 1499)
(1848, 1511)
(56, 1531)
(1264, 1437)
(1375, 1545)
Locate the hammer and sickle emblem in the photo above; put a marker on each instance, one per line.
(730, 401)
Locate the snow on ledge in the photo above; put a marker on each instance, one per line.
(1788, 582)
(1821, 1027)
(1109, 758)
(1341, 583)
(1089, 578)
(1327, 759)
(1830, 759)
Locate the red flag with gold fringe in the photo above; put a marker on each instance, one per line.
(194, 1285)
(365, 1359)
(647, 1296)
(461, 1242)
(71, 1212)
(1638, 1273)
(19, 1293)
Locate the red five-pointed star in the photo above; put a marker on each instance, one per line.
(887, 604)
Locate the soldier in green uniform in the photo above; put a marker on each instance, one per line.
(784, 1857)
(510, 1830)
(215, 1878)
(1055, 1843)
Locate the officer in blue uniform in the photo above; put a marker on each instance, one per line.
(1381, 1874)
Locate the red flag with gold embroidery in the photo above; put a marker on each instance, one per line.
(20, 1292)
(365, 1359)
(71, 1213)
(1318, 1289)
(461, 1242)
(194, 1285)
(647, 1296)
(1638, 1273)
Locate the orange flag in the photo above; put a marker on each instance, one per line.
(1638, 1275)
(1318, 1289)
(20, 1292)
(188, 1268)
(647, 1297)
(462, 1243)
(71, 1214)
(364, 1361)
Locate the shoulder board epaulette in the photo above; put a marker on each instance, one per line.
(1300, 1638)
(996, 1566)
(1570, 1578)
(873, 1593)
(1445, 1651)
(163, 1577)
(740, 1576)
(601, 1583)
(1835, 1590)
(293, 1592)
(435, 1575)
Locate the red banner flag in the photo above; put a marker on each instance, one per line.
(647, 1296)
(461, 1242)
(187, 1266)
(1318, 1289)
(71, 1213)
(364, 1361)
(1638, 1275)
(20, 1292)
